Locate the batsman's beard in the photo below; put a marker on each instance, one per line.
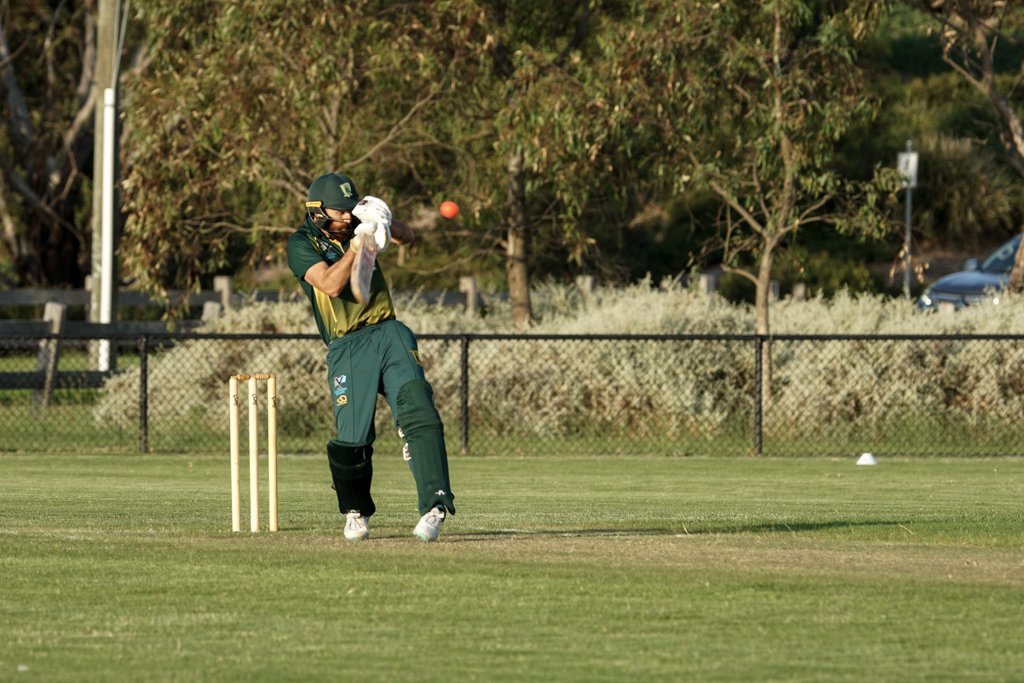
(341, 231)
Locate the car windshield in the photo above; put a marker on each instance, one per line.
(1001, 260)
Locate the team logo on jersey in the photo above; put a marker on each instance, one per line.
(326, 249)
(342, 400)
(341, 389)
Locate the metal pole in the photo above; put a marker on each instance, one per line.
(106, 39)
(758, 393)
(107, 227)
(906, 243)
(144, 394)
(464, 394)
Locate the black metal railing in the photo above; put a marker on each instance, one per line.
(523, 394)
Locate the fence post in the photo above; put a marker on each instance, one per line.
(758, 392)
(467, 285)
(49, 351)
(144, 394)
(585, 283)
(464, 393)
(708, 283)
(211, 311)
(222, 285)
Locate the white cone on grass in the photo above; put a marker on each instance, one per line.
(866, 459)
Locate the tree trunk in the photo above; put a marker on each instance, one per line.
(14, 242)
(1016, 282)
(762, 296)
(1011, 133)
(976, 31)
(517, 246)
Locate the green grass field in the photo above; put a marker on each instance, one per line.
(555, 568)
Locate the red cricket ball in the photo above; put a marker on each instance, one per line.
(449, 209)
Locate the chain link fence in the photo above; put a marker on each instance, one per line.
(517, 395)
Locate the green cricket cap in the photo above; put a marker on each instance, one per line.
(335, 190)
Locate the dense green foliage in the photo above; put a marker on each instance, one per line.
(622, 113)
(417, 102)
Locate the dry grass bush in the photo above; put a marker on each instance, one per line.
(550, 388)
(188, 382)
(865, 384)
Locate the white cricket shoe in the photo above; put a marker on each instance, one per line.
(356, 528)
(429, 525)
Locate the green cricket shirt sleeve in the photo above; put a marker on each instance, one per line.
(302, 255)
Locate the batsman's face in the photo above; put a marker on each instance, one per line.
(340, 224)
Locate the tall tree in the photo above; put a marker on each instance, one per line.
(971, 32)
(219, 157)
(47, 58)
(558, 121)
(762, 94)
(563, 145)
(418, 99)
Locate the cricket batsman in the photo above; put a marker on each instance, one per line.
(368, 352)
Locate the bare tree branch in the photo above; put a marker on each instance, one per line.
(82, 121)
(51, 72)
(18, 114)
(396, 129)
(806, 215)
(88, 72)
(750, 220)
(727, 251)
(14, 242)
(25, 189)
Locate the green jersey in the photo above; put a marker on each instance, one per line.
(336, 316)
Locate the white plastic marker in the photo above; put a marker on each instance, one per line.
(866, 459)
(362, 269)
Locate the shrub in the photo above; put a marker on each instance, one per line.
(550, 388)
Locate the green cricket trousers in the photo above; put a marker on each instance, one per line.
(384, 359)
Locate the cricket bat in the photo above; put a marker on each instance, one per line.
(362, 269)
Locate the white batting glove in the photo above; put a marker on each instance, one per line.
(365, 228)
(373, 210)
(378, 232)
(382, 236)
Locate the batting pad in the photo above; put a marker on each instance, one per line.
(424, 436)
